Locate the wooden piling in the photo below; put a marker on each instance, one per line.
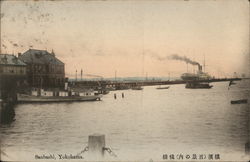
(115, 96)
(96, 145)
(122, 95)
(247, 148)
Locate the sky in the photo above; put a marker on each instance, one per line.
(132, 38)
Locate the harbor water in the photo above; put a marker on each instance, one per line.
(144, 125)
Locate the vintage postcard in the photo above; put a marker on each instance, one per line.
(125, 80)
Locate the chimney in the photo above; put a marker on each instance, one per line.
(52, 52)
(19, 54)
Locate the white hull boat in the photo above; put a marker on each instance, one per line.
(29, 98)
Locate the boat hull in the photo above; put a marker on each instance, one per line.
(198, 86)
(28, 98)
(137, 88)
(162, 88)
(243, 101)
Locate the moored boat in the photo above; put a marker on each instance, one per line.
(197, 85)
(58, 96)
(243, 101)
(137, 88)
(163, 87)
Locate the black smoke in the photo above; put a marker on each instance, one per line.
(183, 58)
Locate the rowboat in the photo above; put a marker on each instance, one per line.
(243, 101)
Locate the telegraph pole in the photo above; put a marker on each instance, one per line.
(204, 64)
(115, 75)
(0, 28)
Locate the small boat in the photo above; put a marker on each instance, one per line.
(163, 87)
(137, 88)
(122, 87)
(58, 96)
(197, 85)
(110, 89)
(231, 83)
(103, 91)
(243, 101)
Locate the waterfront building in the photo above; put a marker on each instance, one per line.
(11, 65)
(12, 73)
(43, 68)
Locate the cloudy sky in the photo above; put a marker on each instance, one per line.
(131, 37)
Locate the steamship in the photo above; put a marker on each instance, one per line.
(193, 79)
(200, 75)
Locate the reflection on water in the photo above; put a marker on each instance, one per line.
(7, 112)
(141, 126)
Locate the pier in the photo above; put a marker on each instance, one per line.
(127, 84)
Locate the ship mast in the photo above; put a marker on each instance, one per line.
(76, 75)
(81, 74)
(204, 64)
(115, 75)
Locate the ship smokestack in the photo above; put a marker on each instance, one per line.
(200, 68)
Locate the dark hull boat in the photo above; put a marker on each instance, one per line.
(194, 85)
(162, 87)
(243, 101)
(122, 87)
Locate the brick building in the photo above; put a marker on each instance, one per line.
(43, 68)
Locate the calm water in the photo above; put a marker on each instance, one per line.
(142, 126)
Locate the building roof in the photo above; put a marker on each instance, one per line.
(40, 57)
(7, 59)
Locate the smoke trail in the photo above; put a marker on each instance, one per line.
(183, 58)
(155, 55)
(171, 57)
